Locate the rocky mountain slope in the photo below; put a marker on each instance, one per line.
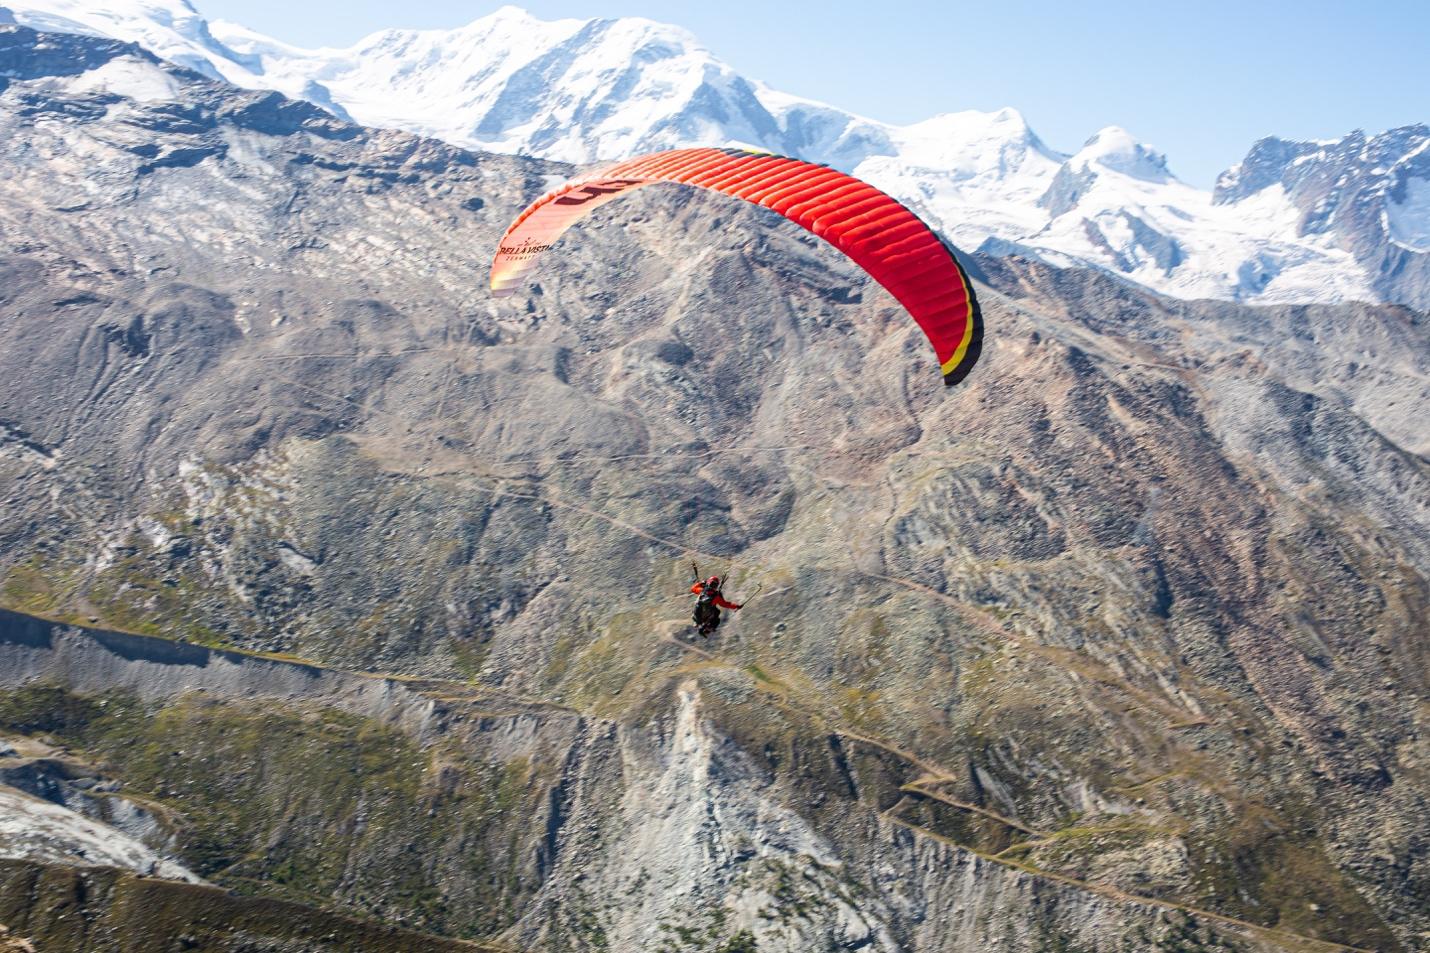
(1118, 646)
(107, 910)
(35, 828)
(1334, 221)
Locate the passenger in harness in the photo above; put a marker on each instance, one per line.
(708, 606)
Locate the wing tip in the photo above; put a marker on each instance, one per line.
(956, 375)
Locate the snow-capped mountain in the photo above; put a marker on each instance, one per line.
(1328, 221)
(1370, 195)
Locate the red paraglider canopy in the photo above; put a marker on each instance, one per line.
(883, 237)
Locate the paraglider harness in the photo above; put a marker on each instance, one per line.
(707, 613)
(707, 606)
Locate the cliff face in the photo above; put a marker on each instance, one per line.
(1367, 191)
(1129, 626)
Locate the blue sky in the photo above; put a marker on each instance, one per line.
(1200, 81)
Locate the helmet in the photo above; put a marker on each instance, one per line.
(713, 582)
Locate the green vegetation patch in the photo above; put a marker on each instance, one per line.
(319, 807)
(137, 592)
(1265, 872)
(104, 910)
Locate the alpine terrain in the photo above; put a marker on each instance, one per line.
(346, 607)
(1295, 222)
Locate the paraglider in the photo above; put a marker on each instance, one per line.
(708, 606)
(711, 600)
(883, 237)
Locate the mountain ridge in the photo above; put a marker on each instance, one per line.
(599, 90)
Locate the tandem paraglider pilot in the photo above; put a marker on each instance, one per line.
(708, 606)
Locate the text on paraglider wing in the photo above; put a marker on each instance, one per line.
(595, 190)
(521, 252)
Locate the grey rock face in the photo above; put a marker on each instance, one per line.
(1066, 190)
(1122, 636)
(1352, 188)
(38, 829)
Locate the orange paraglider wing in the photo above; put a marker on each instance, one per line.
(883, 237)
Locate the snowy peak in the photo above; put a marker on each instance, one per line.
(171, 29)
(511, 13)
(1296, 164)
(1335, 182)
(1367, 195)
(973, 143)
(972, 174)
(1264, 165)
(1113, 149)
(573, 90)
(1113, 163)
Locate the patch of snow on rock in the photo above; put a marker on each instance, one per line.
(130, 77)
(33, 829)
(1408, 221)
